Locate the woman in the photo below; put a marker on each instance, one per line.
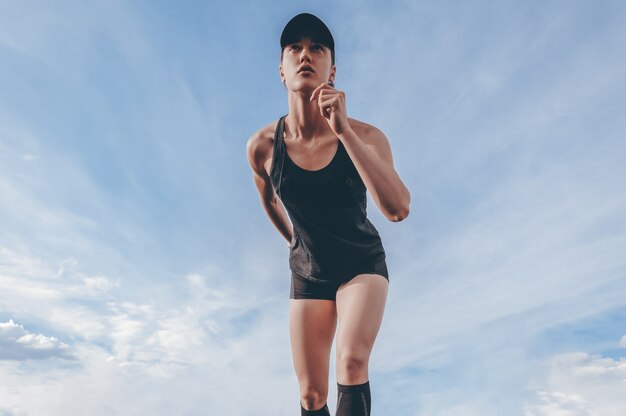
(319, 163)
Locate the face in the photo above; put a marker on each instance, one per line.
(306, 52)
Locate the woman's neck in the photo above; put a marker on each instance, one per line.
(304, 120)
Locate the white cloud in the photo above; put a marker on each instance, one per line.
(580, 384)
(16, 343)
(24, 276)
(192, 335)
(555, 403)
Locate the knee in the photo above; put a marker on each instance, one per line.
(313, 398)
(353, 363)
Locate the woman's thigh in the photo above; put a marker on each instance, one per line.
(312, 324)
(360, 307)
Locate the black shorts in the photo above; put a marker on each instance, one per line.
(303, 288)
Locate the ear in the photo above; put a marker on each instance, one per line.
(280, 71)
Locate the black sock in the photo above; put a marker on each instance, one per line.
(354, 400)
(320, 412)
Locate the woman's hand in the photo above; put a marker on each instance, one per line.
(332, 104)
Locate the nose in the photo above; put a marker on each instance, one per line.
(305, 54)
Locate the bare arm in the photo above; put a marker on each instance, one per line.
(269, 200)
(371, 155)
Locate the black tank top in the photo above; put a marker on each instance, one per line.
(328, 210)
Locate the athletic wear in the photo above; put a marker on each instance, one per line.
(320, 412)
(328, 209)
(354, 400)
(302, 288)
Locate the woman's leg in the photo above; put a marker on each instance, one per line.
(360, 307)
(312, 324)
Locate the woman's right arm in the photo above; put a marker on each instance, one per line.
(257, 148)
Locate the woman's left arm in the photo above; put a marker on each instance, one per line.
(371, 155)
(370, 152)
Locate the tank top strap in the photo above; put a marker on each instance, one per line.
(278, 155)
(281, 131)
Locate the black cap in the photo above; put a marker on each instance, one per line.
(306, 25)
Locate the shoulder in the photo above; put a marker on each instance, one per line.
(373, 137)
(260, 144)
(262, 137)
(367, 132)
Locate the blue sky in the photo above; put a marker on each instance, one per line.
(139, 273)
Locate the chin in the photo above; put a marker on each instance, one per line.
(306, 84)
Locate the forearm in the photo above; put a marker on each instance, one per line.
(278, 216)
